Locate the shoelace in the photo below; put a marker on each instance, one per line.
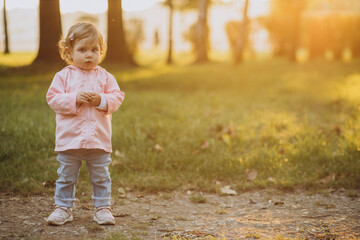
(101, 212)
(58, 212)
(101, 208)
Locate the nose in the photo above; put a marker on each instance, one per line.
(88, 54)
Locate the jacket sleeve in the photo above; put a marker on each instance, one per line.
(114, 97)
(60, 101)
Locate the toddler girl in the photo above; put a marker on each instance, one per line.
(83, 96)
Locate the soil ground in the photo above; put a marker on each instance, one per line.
(260, 214)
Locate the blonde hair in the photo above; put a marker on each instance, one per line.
(77, 32)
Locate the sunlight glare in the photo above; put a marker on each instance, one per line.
(89, 6)
(13, 4)
(137, 5)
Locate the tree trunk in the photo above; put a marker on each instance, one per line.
(202, 32)
(6, 50)
(118, 52)
(50, 33)
(295, 38)
(243, 36)
(299, 7)
(171, 11)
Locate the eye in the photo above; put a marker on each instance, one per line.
(95, 49)
(82, 50)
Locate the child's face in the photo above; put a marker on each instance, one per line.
(85, 54)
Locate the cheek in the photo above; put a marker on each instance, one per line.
(97, 56)
(77, 56)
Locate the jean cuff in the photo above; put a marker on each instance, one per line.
(99, 202)
(64, 202)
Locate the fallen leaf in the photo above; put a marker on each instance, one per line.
(222, 211)
(282, 151)
(279, 203)
(224, 205)
(205, 145)
(328, 179)
(219, 127)
(195, 152)
(251, 174)
(49, 183)
(14, 199)
(121, 215)
(115, 163)
(117, 153)
(226, 138)
(227, 191)
(252, 201)
(158, 148)
(151, 136)
(86, 207)
(230, 129)
(337, 130)
(121, 190)
(271, 179)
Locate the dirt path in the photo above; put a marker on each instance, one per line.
(250, 215)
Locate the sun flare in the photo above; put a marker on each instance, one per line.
(90, 6)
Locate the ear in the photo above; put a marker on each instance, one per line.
(68, 53)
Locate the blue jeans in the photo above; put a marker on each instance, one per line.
(97, 162)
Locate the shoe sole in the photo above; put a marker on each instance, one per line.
(69, 219)
(103, 222)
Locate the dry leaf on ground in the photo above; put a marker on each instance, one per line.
(251, 175)
(328, 179)
(205, 145)
(122, 192)
(227, 191)
(158, 148)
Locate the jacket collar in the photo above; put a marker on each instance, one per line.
(73, 67)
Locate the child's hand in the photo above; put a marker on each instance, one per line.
(83, 97)
(95, 99)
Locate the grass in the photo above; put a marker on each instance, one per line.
(119, 236)
(198, 198)
(16, 59)
(295, 124)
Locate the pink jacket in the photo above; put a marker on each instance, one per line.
(84, 126)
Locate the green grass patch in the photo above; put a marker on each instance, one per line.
(190, 126)
(16, 59)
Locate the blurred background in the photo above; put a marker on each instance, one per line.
(297, 29)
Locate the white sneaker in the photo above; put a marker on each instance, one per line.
(103, 215)
(60, 216)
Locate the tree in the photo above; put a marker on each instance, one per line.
(197, 34)
(6, 50)
(299, 7)
(242, 39)
(284, 25)
(134, 33)
(170, 4)
(50, 33)
(170, 46)
(118, 51)
(202, 32)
